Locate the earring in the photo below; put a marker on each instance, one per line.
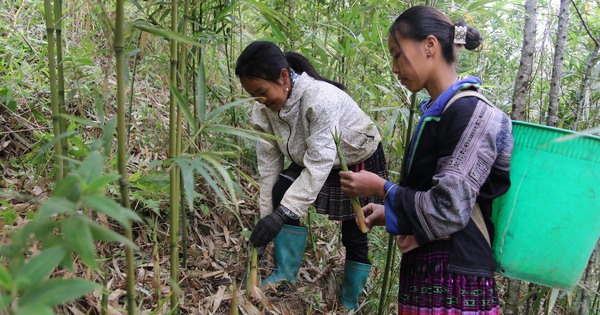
(428, 54)
(287, 88)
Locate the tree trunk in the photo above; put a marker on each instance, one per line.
(523, 79)
(583, 95)
(512, 300)
(557, 69)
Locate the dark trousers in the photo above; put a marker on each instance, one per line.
(355, 241)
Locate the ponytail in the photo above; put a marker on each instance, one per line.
(300, 64)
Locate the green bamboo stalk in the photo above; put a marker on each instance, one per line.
(391, 252)
(61, 81)
(119, 46)
(58, 152)
(184, 87)
(360, 216)
(174, 172)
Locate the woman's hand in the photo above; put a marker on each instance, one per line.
(363, 183)
(374, 215)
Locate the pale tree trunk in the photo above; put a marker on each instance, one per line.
(523, 79)
(557, 68)
(583, 95)
(513, 293)
(520, 96)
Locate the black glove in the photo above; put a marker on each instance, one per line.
(268, 227)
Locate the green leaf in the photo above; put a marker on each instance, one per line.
(188, 181)
(91, 168)
(185, 109)
(5, 279)
(101, 182)
(201, 91)
(69, 187)
(35, 309)
(39, 266)
(4, 302)
(111, 208)
(57, 291)
(107, 134)
(78, 236)
(144, 26)
(55, 205)
(101, 233)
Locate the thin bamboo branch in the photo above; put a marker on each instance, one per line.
(61, 81)
(183, 49)
(119, 46)
(58, 152)
(390, 258)
(174, 172)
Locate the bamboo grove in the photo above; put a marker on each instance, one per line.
(136, 101)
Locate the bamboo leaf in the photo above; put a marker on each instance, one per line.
(55, 205)
(166, 33)
(35, 309)
(107, 134)
(101, 233)
(244, 133)
(101, 182)
(78, 236)
(111, 208)
(4, 302)
(188, 180)
(39, 266)
(219, 110)
(69, 187)
(184, 106)
(5, 279)
(91, 168)
(201, 94)
(57, 291)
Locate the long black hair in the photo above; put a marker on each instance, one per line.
(421, 21)
(264, 60)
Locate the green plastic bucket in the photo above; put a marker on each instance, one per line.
(548, 222)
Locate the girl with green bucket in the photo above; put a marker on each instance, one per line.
(304, 109)
(456, 165)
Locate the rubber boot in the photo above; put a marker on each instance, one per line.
(288, 252)
(355, 278)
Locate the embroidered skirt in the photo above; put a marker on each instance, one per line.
(332, 201)
(427, 287)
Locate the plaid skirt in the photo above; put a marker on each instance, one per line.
(332, 201)
(427, 287)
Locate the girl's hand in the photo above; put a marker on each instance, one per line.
(363, 183)
(374, 215)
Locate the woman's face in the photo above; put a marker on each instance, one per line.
(272, 94)
(409, 62)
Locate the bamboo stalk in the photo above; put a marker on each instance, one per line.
(61, 81)
(360, 217)
(174, 172)
(184, 87)
(119, 46)
(391, 257)
(252, 280)
(58, 152)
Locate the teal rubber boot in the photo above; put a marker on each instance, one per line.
(355, 278)
(288, 252)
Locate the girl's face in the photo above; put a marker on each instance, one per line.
(410, 62)
(272, 94)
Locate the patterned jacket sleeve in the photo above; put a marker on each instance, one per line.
(269, 159)
(478, 143)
